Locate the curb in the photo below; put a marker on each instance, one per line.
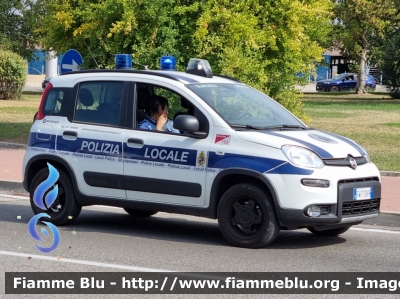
(12, 186)
(390, 173)
(12, 145)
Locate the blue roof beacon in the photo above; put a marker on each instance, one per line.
(168, 63)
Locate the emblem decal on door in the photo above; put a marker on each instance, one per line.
(201, 159)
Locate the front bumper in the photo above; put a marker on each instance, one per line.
(322, 87)
(345, 211)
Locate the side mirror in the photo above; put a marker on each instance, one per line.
(189, 124)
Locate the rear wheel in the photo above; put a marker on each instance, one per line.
(334, 88)
(330, 232)
(64, 210)
(246, 216)
(140, 213)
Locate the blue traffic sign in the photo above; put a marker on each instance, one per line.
(71, 61)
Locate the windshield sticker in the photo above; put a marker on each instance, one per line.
(222, 139)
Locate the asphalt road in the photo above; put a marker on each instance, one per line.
(106, 239)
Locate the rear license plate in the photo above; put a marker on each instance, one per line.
(363, 193)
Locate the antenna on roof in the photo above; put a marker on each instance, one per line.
(146, 67)
(91, 54)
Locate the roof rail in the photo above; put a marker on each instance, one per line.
(146, 72)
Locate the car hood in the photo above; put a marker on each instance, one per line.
(326, 145)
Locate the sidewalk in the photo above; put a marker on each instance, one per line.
(11, 170)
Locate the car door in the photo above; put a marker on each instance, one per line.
(167, 168)
(91, 141)
(349, 83)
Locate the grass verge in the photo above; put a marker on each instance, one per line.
(16, 117)
(371, 120)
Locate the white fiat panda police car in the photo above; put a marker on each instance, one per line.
(240, 157)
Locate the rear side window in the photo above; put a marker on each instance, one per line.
(99, 102)
(54, 103)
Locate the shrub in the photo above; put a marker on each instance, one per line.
(12, 75)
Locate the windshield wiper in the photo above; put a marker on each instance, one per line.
(284, 126)
(249, 127)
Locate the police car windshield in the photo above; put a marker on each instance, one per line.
(242, 106)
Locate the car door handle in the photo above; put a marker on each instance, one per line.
(135, 142)
(70, 135)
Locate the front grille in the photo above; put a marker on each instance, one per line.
(358, 180)
(360, 207)
(345, 161)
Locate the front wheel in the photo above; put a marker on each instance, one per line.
(246, 216)
(64, 209)
(330, 232)
(334, 88)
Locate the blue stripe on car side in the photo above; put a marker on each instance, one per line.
(167, 155)
(350, 142)
(48, 142)
(162, 154)
(320, 151)
(288, 168)
(255, 163)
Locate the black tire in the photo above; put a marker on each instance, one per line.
(140, 213)
(65, 209)
(334, 88)
(330, 232)
(257, 226)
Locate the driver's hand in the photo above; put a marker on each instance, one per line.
(161, 121)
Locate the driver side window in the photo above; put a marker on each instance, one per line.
(177, 105)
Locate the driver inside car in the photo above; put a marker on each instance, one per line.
(156, 108)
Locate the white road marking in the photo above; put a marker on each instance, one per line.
(82, 262)
(14, 196)
(374, 230)
(105, 265)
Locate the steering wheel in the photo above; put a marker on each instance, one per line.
(243, 114)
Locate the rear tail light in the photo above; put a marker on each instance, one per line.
(40, 114)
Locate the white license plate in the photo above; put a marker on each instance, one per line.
(363, 193)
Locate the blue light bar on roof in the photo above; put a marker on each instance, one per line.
(123, 61)
(168, 63)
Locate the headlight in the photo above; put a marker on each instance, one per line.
(302, 157)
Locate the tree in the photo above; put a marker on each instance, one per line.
(390, 63)
(100, 29)
(261, 43)
(360, 24)
(17, 21)
(265, 43)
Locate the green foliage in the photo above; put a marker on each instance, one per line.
(360, 28)
(264, 44)
(100, 29)
(390, 64)
(12, 75)
(17, 21)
